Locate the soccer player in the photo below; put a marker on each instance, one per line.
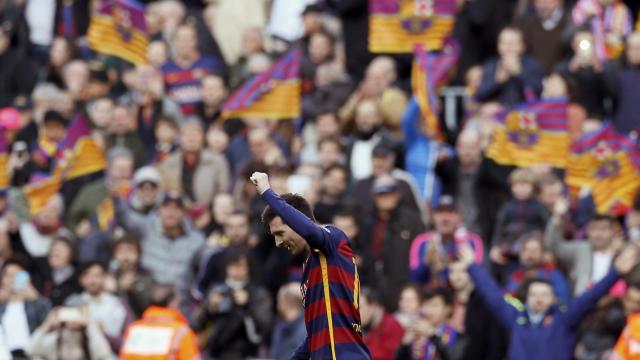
(330, 285)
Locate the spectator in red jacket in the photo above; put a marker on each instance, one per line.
(382, 332)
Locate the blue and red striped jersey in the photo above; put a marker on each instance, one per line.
(330, 288)
(183, 85)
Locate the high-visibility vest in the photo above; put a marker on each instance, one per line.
(628, 346)
(161, 334)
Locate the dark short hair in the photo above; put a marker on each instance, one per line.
(127, 239)
(438, 292)
(84, 268)
(234, 255)
(238, 212)
(167, 120)
(163, 294)
(17, 260)
(601, 217)
(372, 295)
(296, 201)
(70, 243)
(533, 235)
(336, 167)
(345, 211)
(330, 139)
(523, 289)
(253, 166)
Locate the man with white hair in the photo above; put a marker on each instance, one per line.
(475, 181)
(378, 85)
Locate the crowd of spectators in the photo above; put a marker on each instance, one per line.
(442, 234)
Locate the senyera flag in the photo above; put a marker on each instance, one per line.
(431, 70)
(532, 133)
(77, 155)
(272, 94)
(118, 29)
(4, 159)
(396, 26)
(607, 163)
(82, 156)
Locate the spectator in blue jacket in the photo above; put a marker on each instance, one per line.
(512, 77)
(532, 264)
(540, 329)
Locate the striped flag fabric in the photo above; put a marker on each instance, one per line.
(4, 159)
(396, 26)
(82, 155)
(430, 71)
(532, 133)
(273, 94)
(39, 192)
(607, 163)
(118, 28)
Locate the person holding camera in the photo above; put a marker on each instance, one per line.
(430, 335)
(68, 333)
(22, 309)
(239, 311)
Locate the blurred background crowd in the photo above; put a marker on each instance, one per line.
(169, 225)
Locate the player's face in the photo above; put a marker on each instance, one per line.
(285, 236)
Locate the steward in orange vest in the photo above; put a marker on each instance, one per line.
(628, 346)
(162, 333)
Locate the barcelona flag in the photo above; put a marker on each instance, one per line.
(83, 155)
(4, 159)
(532, 133)
(274, 93)
(430, 71)
(39, 192)
(396, 26)
(105, 214)
(607, 163)
(118, 29)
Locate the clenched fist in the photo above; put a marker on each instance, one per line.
(261, 181)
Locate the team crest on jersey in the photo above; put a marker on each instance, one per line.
(522, 128)
(608, 165)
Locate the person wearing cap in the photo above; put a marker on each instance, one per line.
(384, 162)
(387, 235)
(146, 194)
(432, 251)
(10, 123)
(166, 237)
